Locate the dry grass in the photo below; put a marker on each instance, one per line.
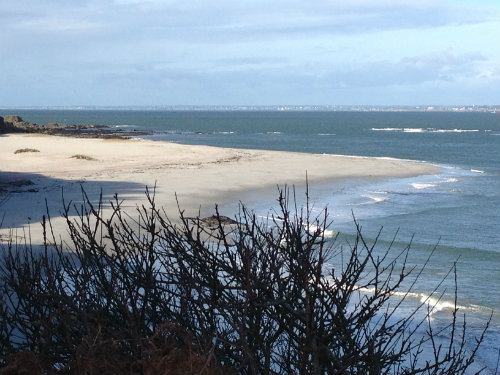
(23, 150)
(82, 157)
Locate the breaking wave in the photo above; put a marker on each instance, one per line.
(425, 130)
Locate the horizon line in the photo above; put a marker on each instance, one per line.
(275, 107)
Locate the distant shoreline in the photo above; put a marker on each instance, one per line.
(291, 108)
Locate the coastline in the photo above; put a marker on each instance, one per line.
(197, 176)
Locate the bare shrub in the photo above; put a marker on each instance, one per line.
(249, 297)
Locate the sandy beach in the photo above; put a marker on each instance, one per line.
(200, 176)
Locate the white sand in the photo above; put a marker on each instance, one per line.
(200, 175)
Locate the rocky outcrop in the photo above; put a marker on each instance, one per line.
(7, 123)
(214, 221)
(15, 124)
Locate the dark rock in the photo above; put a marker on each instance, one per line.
(15, 124)
(55, 125)
(214, 220)
(2, 125)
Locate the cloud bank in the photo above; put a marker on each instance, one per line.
(131, 52)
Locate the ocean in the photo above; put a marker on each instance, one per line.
(456, 212)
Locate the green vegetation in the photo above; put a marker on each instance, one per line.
(250, 296)
(23, 150)
(12, 118)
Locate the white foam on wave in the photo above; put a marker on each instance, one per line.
(374, 199)
(422, 185)
(427, 185)
(326, 134)
(387, 129)
(311, 228)
(425, 130)
(385, 158)
(434, 302)
(455, 131)
(437, 304)
(477, 171)
(414, 130)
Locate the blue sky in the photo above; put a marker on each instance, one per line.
(254, 52)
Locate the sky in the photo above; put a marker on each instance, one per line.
(253, 52)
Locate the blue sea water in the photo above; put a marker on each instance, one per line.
(457, 209)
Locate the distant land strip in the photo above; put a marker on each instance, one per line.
(319, 108)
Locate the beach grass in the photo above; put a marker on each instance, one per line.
(83, 157)
(24, 150)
